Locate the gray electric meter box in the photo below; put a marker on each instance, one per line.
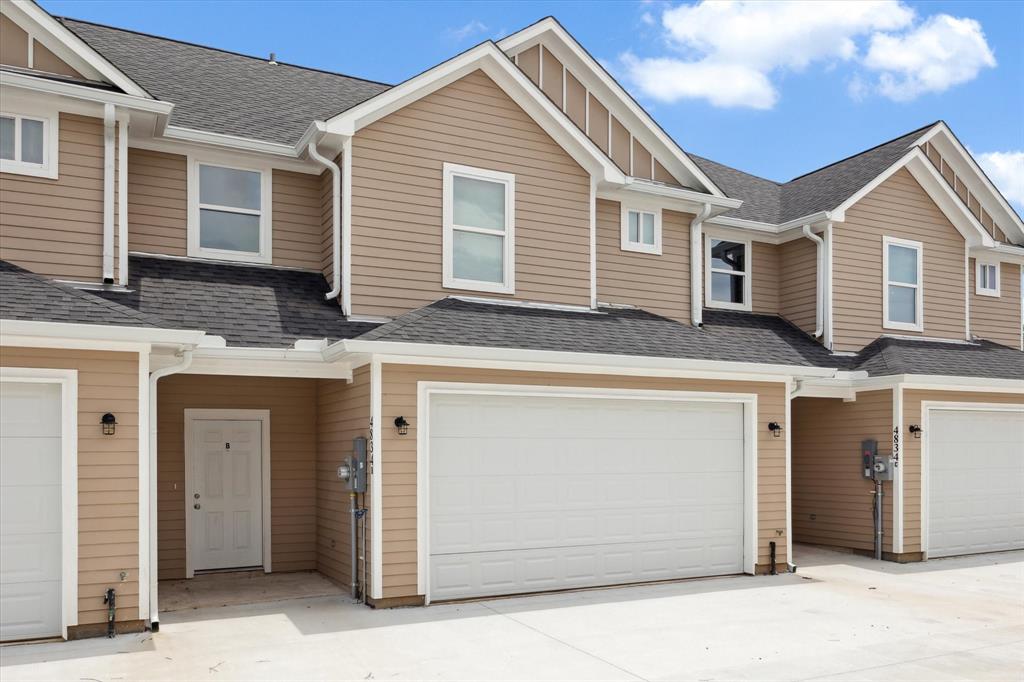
(353, 469)
(876, 466)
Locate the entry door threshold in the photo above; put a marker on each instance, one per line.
(238, 569)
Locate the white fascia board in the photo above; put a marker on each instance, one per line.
(690, 197)
(267, 362)
(9, 329)
(562, 360)
(84, 92)
(229, 141)
(492, 61)
(633, 116)
(977, 181)
(1002, 253)
(68, 46)
(939, 382)
(777, 234)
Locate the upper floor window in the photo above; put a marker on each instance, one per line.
(479, 226)
(727, 274)
(229, 212)
(641, 230)
(28, 145)
(903, 297)
(987, 279)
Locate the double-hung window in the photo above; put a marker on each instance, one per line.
(727, 274)
(229, 212)
(479, 230)
(641, 230)
(28, 145)
(987, 279)
(903, 298)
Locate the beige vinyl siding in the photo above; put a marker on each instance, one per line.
(293, 434)
(44, 60)
(552, 78)
(599, 122)
(832, 501)
(658, 284)
(575, 101)
(397, 199)
(662, 175)
(911, 456)
(529, 62)
(157, 202)
(997, 319)
(13, 43)
(398, 454)
(764, 269)
(55, 227)
(343, 413)
(899, 207)
(620, 145)
(108, 473)
(798, 267)
(641, 161)
(296, 208)
(326, 223)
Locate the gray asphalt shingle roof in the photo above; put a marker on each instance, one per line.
(889, 355)
(224, 92)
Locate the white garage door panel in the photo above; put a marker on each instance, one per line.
(533, 493)
(30, 510)
(975, 482)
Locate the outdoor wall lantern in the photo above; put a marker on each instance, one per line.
(775, 428)
(915, 429)
(401, 425)
(109, 424)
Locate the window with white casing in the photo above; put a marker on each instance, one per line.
(229, 212)
(727, 273)
(641, 230)
(987, 279)
(28, 145)
(479, 230)
(903, 297)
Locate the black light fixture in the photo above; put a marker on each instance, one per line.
(915, 429)
(401, 425)
(109, 424)
(775, 428)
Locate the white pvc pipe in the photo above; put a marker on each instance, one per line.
(819, 302)
(697, 267)
(335, 219)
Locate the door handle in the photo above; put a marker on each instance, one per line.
(196, 505)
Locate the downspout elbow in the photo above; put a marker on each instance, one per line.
(819, 244)
(697, 267)
(335, 219)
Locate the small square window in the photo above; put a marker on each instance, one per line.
(987, 279)
(28, 145)
(641, 230)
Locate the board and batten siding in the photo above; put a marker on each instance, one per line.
(832, 501)
(293, 443)
(108, 474)
(997, 319)
(397, 167)
(898, 207)
(657, 283)
(911, 456)
(398, 454)
(343, 413)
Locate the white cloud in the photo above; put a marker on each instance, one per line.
(473, 27)
(730, 52)
(647, 18)
(1006, 170)
(942, 52)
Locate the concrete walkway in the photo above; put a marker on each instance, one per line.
(842, 617)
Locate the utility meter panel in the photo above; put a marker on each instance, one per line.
(874, 465)
(358, 481)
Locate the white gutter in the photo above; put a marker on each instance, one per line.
(186, 360)
(84, 92)
(122, 203)
(658, 189)
(98, 332)
(697, 267)
(335, 219)
(108, 192)
(819, 280)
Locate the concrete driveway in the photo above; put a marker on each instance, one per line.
(841, 618)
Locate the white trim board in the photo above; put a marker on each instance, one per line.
(426, 389)
(68, 380)
(262, 416)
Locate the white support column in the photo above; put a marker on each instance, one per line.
(897, 481)
(376, 484)
(593, 242)
(145, 556)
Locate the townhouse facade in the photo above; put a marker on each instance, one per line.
(569, 353)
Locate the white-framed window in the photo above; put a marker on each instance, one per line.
(987, 278)
(478, 249)
(727, 273)
(229, 211)
(28, 144)
(641, 230)
(903, 286)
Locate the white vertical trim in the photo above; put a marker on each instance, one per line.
(897, 481)
(788, 426)
(586, 112)
(967, 292)
(610, 134)
(68, 380)
(31, 52)
(652, 165)
(122, 203)
(563, 88)
(540, 66)
(145, 557)
(108, 191)
(422, 490)
(376, 484)
(631, 171)
(593, 242)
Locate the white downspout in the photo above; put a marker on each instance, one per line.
(108, 193)
(157, 375)
(346, 227)
(827, 287)
(335, 219)
(819, 296)
(697, 267)
(122, 203)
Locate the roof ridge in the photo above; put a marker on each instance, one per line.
(62, 19)
(406, 319)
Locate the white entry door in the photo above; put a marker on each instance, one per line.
(541, 493)
(30, 510)
(226, 496)
(975, 484)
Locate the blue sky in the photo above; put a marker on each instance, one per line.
(775, 89)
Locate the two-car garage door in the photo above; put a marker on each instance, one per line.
(531, 493)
